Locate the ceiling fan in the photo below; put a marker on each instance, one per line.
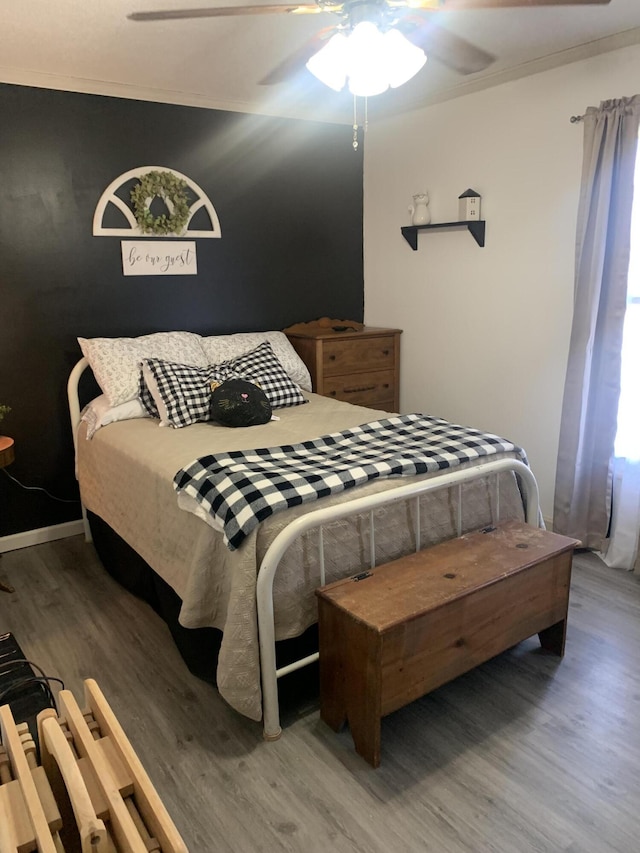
(414, 19)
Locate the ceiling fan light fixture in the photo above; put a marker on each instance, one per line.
(366, 86)
(366, 63)
(370, 60)
(403, 59)
(329, 64)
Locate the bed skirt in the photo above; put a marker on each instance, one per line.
(198, 647)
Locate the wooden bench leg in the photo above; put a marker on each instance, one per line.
(365, 731)
(337, 707)
(333, 711)
(333, 706)
(363, 700)
(552, 639)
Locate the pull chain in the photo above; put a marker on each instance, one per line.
(355, 120)
(355, 123)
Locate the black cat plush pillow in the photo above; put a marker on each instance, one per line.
(239, 403)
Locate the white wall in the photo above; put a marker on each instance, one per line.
(486, 330)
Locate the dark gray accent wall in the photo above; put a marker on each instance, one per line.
(288, 194)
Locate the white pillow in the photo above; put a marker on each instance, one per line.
(99, 413)
(116, 361)
(220, 348)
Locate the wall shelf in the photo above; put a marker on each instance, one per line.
(476, 228)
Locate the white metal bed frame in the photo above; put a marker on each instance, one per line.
(270, 673)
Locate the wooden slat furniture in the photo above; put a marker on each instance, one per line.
(90, 793)
(29, 817)
(391, 635)
(360, 366)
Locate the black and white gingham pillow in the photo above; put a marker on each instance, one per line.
(261, 365)
(146, 397)
(182, 393)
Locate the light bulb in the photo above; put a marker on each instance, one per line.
(329, 64)
(370, 60)
(403, 59)
(366, 73)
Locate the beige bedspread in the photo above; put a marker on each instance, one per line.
(126, 472)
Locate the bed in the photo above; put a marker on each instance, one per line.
(263, 590)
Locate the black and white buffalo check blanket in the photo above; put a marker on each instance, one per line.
(243, 487)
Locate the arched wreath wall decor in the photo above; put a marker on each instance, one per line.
(152, 182)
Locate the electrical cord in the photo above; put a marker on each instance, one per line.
(15, 690)
(39, 489)
(21, 683)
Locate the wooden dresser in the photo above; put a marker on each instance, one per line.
(358, 366)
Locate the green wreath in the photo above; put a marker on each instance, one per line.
(172, 190)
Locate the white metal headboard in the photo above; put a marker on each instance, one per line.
(73, 398)
(74, 414)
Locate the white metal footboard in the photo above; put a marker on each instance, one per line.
(266, 627)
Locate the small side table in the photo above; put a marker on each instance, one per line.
(6, 458)
(6, 451)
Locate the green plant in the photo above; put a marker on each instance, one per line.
(172, 190)
(4, 410)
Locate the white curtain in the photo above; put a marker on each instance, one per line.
(583, 495)
(621, 549)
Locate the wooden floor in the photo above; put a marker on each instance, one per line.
(526, 753)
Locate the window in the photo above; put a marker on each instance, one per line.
(628, 435)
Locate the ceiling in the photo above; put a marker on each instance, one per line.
(92, 46)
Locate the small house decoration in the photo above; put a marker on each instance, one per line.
(469, 206)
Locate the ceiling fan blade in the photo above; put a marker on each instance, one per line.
(455, 5)
(223, 11)
(441, 44)
(297, 60)
(314, 9)
(435, 5)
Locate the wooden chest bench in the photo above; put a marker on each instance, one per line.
(391, 635)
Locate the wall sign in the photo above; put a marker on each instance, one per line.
(159, 257)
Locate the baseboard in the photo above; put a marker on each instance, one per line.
(42, 534)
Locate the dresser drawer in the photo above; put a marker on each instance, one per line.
(357, 354)
(375, 389)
